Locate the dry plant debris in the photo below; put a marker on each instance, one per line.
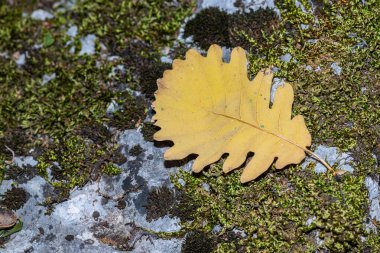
(209, 108)
(8, 218)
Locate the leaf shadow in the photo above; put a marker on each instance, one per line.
(173, 163)
(162, 144)
(179, 163)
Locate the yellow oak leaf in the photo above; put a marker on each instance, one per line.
(210, 108)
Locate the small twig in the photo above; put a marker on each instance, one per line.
(13, 156)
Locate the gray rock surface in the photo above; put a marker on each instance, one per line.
(20, 59)
(88, 45)
(230, 7)
(48, 77)
(94, 214)
(286, 57)
(112, 209)
(41, 15)
(336, 68)
(372, 184)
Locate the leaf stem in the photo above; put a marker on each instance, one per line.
(316, 157)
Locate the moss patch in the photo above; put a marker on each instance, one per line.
(198, 241)
(295, 209)
(73, 161)
(130, 115)
(160, 202)
(213, 26)
(144, 66)
(281, 210)
(15, 139)
(284, 210)
(340, 109)
(65, 117)
(254, 24)
(14, 198)
(20, 174)
(95, 131)
(116, 23)
(208, 27)
(149, 75)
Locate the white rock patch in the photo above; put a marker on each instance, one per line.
(229, 7)
(41, 15)
(88, 45)
(372, 185)
(332, 156)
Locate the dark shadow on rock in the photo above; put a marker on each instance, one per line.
(179, 163)
(163, 144)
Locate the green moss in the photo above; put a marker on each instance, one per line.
(185, 208)
(14, 30)
(111, 170)
(66, 117)
(373, 242)
(274, 211)
(287, 210)
(73, 161)
(340, 110)
(83, 85)
(78, 94)
(154, 22)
